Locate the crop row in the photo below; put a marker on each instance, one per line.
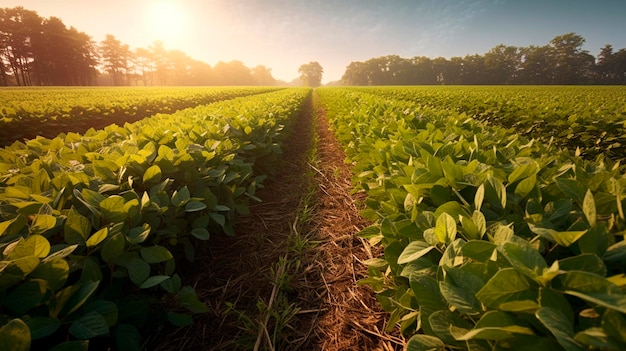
(93, 226)
(29, 112)
(491, 241)
(591, 120)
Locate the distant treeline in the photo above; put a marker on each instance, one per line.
(562, 61)
(43, 51)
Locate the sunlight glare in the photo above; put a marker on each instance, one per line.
(166, 21)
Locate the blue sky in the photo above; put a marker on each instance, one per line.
(283, 34)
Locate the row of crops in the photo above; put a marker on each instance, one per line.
(592, 119)
(31, 112)
(491, 240)
(93, 226)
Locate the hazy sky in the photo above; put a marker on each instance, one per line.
(283, 34)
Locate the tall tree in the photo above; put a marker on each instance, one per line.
(311, 73)
(115, 59)
(263, 76)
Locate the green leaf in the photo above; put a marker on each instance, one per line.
(33, 245)
(589, 208)
(194, 206)
(592, 288)
(181, 197)
(560, 327)
(505, 286)
(421, 342)
(584, 262)
(200, 233)
(478, 250)
(42, 223)
(525, 259)
(25, 297)
(13, 226)
(445, 229)
(155, 254)
(90, 325)
(413, 251)
(562, 238)
(15, 336)
(40, 327)
(138, 235)
(154, 281)
(107, 309)
(572, 188)
(97, 237)
(187, 298)
(77, 228)
(152, 174)
(17, 269)
(494, 325)
(479, 197)
(78, 295)
(113, 247)
(527, 185)
(112, 209)
(138, 271)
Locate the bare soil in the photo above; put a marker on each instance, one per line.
(331, 311)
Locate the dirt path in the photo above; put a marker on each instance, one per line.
(293, 266)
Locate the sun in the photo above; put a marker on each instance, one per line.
(166, 20)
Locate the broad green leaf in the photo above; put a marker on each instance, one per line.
(615, 252)
(107, 309)
(445, 229)
(421, 342)
(592, 288)
(155, 254)
(525, 259)
(33, 245)
(200, 233)
(89, 326)
(584, 262)
(598, 339)
(527, 185)
(495, 193)
(566, 238)
(138, 271)
(187, 298)
(77, 228)
(138, 235)
(152, 174)
(77, 296)
(413, 251)
(478, 250)
(42, 223)
(172, 285)
(495, 325)
(25, 297)
(14, 271)
(13, 226)
(505, 286)
(572, 188)
(589, 208)
(113, 247)
(443, 321)
(461, 299)
(153, 281)
(112, 209)
(97, 237)
(181, 197)
(427, 294)
(560, 327)
(40, 327)
(194, 206)
(15, 336)
(614, 324)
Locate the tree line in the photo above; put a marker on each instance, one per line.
(44, 51)
(562, 61)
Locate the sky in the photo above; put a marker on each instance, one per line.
(284, 34)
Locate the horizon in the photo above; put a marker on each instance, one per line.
(282, 34)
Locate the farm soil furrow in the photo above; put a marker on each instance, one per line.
(333, 312)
